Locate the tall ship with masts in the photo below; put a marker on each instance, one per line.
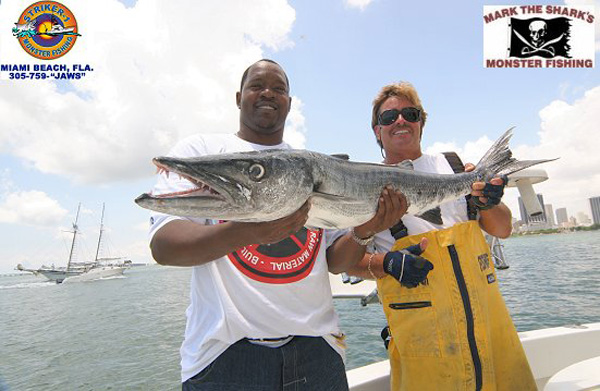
(83, 271)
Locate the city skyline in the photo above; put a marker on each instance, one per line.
(549, 214)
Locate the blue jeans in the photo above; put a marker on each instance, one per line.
(304, 363)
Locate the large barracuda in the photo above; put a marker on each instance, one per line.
(268, 185)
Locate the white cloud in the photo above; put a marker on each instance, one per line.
(139, 251)
(6, 184)
(295, 130)
(31, 208)
(162, 71)
(568, 131)
(470, 153)
(360, 4)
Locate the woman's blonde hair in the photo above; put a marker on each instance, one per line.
(402, 89)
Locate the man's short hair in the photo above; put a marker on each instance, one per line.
(402, 89)
(245, 75)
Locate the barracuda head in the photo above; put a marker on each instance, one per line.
(248, 186)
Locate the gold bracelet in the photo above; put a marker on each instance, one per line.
(369, 266)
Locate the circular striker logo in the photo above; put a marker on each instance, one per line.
(46, 30)
(289, 260)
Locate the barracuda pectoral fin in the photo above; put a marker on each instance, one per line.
(316, 223)
(406, 165)
(337, 212)
(327, 196)
(434, 216)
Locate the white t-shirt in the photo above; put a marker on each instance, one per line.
(452, 212)
(256, 292)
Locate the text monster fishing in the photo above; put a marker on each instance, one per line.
(48, 53)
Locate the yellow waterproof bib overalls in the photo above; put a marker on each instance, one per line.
(455, 333)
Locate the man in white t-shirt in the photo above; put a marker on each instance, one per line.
(449, 328)
(261, 315)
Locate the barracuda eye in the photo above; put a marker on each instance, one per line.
(256, 172)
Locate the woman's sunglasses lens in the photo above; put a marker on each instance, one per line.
(411, 114)
(388, 117)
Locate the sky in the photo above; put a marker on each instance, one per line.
(166, 70)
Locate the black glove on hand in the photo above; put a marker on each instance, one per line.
(407, 266)
(493, 193)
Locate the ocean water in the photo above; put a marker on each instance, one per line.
(124, 333)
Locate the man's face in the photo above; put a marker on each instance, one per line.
(401, 138)
(264, 100)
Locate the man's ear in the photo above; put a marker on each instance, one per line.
(290, 105)
(377, 131)
(238, 100)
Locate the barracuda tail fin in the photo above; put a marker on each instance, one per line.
(498, 159)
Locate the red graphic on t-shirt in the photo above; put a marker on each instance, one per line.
(287, 261)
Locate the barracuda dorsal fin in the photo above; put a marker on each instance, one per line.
(406, 164)
(343, 156)
(432, 215)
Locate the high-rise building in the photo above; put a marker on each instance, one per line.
(541, 218)
(583, 219)
(561, 216)
(522, 211)
(595, 206)
(572, 221)
(549, 214)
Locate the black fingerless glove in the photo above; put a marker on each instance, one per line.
(407, 266)
(493, 193)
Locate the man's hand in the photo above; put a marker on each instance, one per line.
(407, 266)
(347, 252)
(392, 206)
(487, 195)
(269, 232)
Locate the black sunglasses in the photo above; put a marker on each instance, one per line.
(410, 114)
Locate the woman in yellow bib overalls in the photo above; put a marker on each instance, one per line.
(449, 326)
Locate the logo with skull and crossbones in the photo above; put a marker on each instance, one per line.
(538, 33)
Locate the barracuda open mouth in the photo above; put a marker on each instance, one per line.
(201, 189)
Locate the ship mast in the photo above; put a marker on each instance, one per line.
(100, 235)
(75, 230)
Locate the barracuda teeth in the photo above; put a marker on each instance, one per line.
(161, 170)
(201, 186)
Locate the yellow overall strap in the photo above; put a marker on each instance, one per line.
(455, 333)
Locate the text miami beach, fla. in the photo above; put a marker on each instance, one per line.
(44, 71)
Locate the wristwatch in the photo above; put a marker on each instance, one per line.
(362, 242)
